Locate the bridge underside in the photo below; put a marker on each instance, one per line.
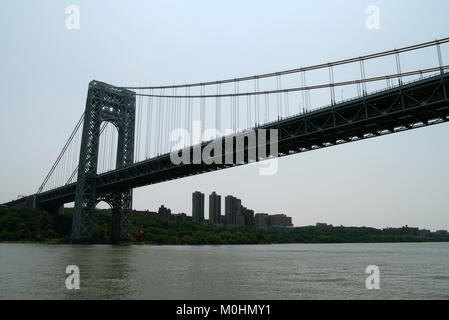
(418, 104)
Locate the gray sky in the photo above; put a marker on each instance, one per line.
(45, 70)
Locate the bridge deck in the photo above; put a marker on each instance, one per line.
(417, 104)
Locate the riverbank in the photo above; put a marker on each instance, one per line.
(29, 225)
(63, 242)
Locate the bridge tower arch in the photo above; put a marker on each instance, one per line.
(118, 106)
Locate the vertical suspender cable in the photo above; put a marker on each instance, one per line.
(186, 119)
(190, 116)
(217, 111)
(248, 112)
(440, 58)
(157, 126)
(267, 108)
(331, 82)
(278, 97)
(161, 128)
(149, 125)
(202, 112)
(363, 76)
(398, 67)
(237, 126)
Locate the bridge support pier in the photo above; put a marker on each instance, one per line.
(117, 106)
(121, 216)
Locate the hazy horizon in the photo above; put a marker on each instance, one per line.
(389, 181)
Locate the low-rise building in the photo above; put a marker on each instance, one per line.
(247, 217)
(180, 217)
(280, 220)
(262, 220)
(404, 231)
(323, 225)
(164, 212)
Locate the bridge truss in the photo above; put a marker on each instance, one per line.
(126, 137)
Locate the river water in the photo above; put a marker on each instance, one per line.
(292, 271)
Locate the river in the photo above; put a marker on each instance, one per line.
(291, 271)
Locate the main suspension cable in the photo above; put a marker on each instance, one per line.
(61, 154)
(303, 69)
(313, 87)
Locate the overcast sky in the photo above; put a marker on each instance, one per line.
(45, 70)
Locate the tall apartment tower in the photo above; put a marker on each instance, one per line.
(214, 208)
(232, 209)
(198, 206)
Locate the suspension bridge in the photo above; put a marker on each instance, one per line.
(124, 138)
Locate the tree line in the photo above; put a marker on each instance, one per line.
(39, 226)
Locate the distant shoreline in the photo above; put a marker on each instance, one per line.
(34, 226)
(208, 245)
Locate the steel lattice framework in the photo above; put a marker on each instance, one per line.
(415, 105)
(117, 106)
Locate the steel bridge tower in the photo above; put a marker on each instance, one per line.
(105, 103)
